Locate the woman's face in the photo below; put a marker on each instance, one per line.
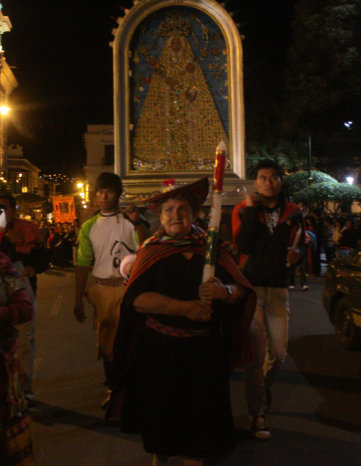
(176, 217)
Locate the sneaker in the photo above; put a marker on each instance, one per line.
(259, 428)
(291, 287)
(304, 288)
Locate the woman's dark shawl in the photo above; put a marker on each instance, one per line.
(235, 326)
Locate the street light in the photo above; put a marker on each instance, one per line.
(4, 110)
(350, 179)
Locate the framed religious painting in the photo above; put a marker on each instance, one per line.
(178, 92)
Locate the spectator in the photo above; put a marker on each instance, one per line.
(300, 268)
(348, 238)
(57, 249)
(20, 241)
(44, 233)
(319, 232)
(75, 230)
(336, 235)
(329, 245)
(67, 244)
(312, 252)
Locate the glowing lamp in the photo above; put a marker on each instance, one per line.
(4, 110)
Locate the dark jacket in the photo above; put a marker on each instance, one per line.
(263, 255)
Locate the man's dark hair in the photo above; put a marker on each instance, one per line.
(10, 198)
(108, 180)
(267, 163)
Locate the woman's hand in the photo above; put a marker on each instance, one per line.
(215, 289)
(211, 289)
(197, 310)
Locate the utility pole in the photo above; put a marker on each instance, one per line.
(309, 145)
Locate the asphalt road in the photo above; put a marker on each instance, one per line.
(316, 410)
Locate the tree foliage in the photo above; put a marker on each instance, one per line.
(300, 180)
(289, 155)
(323, 191)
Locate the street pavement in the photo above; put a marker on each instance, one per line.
(315, 415)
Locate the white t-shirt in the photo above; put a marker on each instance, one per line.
(103, 241)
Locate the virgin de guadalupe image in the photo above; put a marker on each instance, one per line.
(178, 125)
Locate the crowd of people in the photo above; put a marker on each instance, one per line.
(333, 234)
(326, 236)
(60, 239)
(168, 341)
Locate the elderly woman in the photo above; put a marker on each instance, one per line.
(177, 383)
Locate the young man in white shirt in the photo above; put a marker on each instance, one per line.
(103, 241)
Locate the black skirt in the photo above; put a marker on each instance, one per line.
(178, 396)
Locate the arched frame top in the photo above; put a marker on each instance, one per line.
(122, 38)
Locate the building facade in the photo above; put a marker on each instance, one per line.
(22, 175)
(99, 145)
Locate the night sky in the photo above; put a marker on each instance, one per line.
(60, 54)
